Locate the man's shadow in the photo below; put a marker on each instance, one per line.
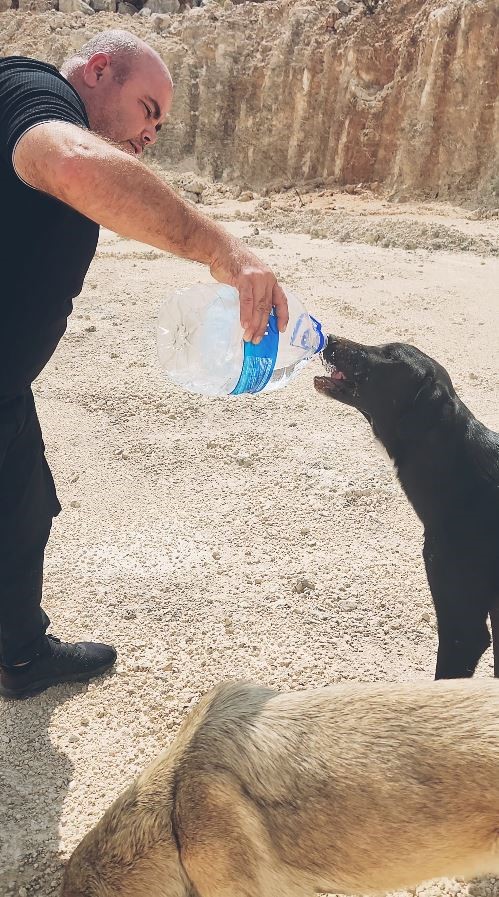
(34, 780)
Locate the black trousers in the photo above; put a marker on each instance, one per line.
(28, 502)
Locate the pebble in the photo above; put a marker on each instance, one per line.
(303, 585)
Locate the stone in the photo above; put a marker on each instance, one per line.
(72, 6)
(195, 187)
(34, 5)
(160, 22)
(126, 9)
(302, 584)
(343, 6)
(192, 197)
(163, 7)
(246, 196)
(103, 5)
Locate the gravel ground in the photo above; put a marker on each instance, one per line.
(261, 537)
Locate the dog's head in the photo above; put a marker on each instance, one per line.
(402, 392)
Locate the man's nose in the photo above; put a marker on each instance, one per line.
(149, 136)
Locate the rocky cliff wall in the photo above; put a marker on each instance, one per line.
(407, 98)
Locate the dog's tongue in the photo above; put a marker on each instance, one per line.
(337, 375)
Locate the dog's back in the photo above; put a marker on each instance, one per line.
(343, 789)
(320, 785)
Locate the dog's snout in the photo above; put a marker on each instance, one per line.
(330, 347)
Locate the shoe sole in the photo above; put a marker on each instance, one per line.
(31, 690)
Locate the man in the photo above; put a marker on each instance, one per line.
(70, 144)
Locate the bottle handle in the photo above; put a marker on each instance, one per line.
(318, 329)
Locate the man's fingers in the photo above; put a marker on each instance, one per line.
(246, 309)
(258, 292)
(261, 312)
(280, 304)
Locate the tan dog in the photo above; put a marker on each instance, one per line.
(347, 789)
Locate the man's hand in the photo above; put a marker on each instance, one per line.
(258, 290)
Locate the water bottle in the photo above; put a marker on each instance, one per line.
(201, 346)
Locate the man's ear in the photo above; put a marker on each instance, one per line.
(431, 404)
(95, 68)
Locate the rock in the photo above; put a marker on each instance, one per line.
(26, 6)
(192, 197)
(246, 196)
(145, 11)
(343, 6)
(103, 5)
(160, 22)
(163, 7)
(72, 6)
(303, 585)
(5, 5)
(32, 5)
(195, 187)
(126, 9)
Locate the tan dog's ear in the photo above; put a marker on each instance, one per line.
(431, 404)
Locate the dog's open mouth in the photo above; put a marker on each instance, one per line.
(336, 381)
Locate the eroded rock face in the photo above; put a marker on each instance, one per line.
(407, 97)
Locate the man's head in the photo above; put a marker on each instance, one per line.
(125, 86)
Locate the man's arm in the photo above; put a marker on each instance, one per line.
(118, 191)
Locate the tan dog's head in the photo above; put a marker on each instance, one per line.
(131, 852)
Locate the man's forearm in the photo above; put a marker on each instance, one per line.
(115, 190)
(118, 191)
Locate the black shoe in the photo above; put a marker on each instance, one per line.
(56, 662)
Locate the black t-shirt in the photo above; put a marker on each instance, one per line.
(45, 246)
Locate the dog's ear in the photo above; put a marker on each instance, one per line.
(431, 404)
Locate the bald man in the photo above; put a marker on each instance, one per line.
(70, 148)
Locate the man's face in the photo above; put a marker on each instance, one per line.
(129, 112)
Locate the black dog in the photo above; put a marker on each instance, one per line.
(448, 465)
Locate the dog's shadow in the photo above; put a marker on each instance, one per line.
(34, 779)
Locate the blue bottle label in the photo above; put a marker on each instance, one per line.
(259, 361)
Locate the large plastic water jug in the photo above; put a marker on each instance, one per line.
(201, 346)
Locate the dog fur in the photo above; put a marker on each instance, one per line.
(347, 789)
(448, 465)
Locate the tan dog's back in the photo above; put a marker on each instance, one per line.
(345, 789)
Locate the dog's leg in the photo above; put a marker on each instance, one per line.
(494, 622)
(463, 635)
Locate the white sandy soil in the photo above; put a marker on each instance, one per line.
(262, 537)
